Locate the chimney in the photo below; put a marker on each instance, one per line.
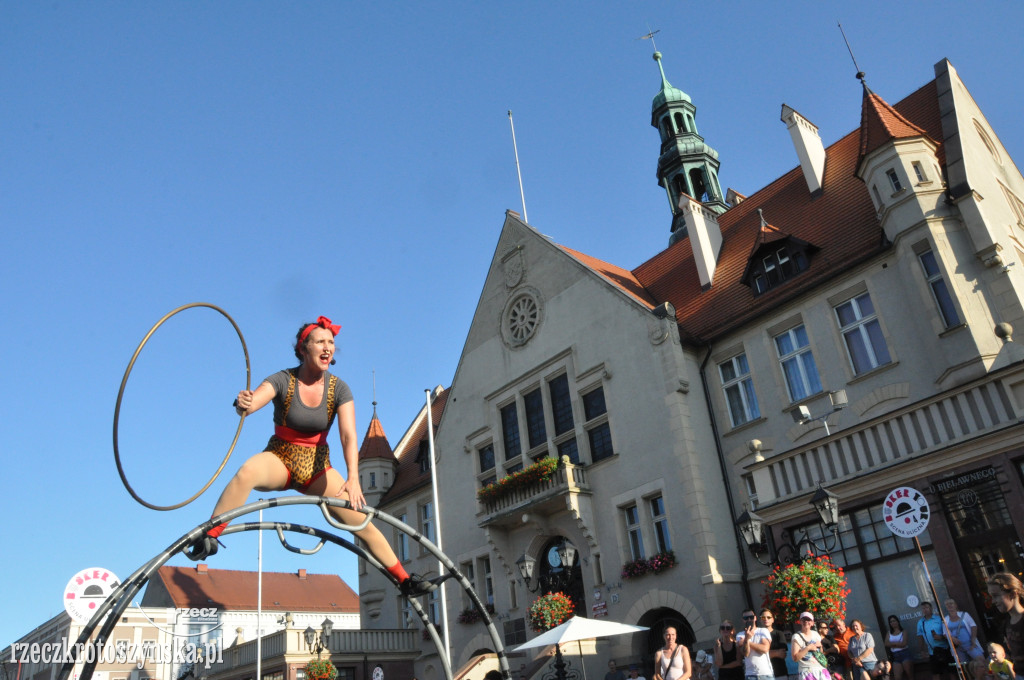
(809, 148)
(201, 568)
(705, 237)
(302, 574)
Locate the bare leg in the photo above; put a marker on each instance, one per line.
(897, 670)
(329, 484)
(264, 471)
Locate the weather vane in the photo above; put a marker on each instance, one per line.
(650, 36)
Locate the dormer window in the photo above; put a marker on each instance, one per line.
(423, 456)
(777, 266)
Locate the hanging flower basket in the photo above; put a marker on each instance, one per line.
(538, 472)
(657, 564)
(814, 585)
(547, 611)
(320, 669)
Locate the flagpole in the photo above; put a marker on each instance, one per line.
(437, 523)
(515, 149)
(259, 603)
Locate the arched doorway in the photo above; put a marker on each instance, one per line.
(556, 578)
(657, 620)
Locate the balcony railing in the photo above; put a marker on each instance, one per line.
(292, 642)
(567, 479)
(916, 430)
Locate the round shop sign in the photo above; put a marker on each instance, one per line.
(378, 673)
(87, 590)
(905, 512)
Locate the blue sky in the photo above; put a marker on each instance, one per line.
(286, 160)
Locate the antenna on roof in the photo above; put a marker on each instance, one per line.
(650, 36)
(860, 74)
(515, 148)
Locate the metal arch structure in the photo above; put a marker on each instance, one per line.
(109, 613)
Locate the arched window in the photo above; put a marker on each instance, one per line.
(680, 123)
(700, 188)
(666, 128)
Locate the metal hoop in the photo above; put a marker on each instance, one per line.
(120, 394)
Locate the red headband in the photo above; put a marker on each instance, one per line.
(322, 322)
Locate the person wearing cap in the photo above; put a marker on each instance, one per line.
(634, 673)
(807, 650)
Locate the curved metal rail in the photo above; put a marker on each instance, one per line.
(109, 613)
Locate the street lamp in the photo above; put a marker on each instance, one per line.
(566, 552)
(752, 528)
(319, 642)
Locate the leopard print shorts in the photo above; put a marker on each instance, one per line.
(305, 463)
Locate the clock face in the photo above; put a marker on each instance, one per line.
(553, 557)
(378, 673)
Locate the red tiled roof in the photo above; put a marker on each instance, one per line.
(236, 590)
(375, 442)
(623, 278)
(880, 123)
(841, 221)
(408, 475)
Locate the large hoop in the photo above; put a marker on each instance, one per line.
(120, 394)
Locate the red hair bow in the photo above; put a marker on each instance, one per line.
(321, 322)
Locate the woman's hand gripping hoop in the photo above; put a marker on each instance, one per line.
(120, 394)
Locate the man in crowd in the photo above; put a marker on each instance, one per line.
(778, 650)
(753, 644)
(841, 634)
(933, 636)
(613, 672)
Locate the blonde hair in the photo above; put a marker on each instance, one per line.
(1009, 583)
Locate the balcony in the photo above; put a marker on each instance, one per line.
(557, 493)
(955, 423)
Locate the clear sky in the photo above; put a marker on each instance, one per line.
(289, 159)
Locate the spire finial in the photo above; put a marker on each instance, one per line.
(860, 74)
(374, 375)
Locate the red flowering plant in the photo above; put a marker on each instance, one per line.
(547, 611)
(657, 564)
(538, 472)
(813, 585)
(320, 669)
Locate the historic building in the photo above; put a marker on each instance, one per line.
(848, 326)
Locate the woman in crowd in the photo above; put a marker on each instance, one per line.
(898, 645)
(861, 650)
(727, 661)
(965, 638)
(806, 650)
(307, 399)
(672, 662)
(1007, 593)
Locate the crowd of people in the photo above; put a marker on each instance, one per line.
(839, 650)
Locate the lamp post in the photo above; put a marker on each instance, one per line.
(566, 556)
(838, 399)
(319, 642)
(752, 528)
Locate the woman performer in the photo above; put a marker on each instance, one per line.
(306, 401)
(672, 662)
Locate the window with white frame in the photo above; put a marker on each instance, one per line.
(940, 292)
(633, 533)
(401, 540)
(862, 334)
(797, 363)
(739, 390)
(894, 181)
(662, 539)
(919, 172)
(748, 483)
(427, 520)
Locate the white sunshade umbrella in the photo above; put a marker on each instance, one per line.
(579, 628)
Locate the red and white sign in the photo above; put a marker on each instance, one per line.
(905, 512)
(87, 590)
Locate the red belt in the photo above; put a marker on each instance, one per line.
(301, 438)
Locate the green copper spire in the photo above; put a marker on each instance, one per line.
(667, 93)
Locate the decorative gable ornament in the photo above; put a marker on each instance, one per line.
(521, 317)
